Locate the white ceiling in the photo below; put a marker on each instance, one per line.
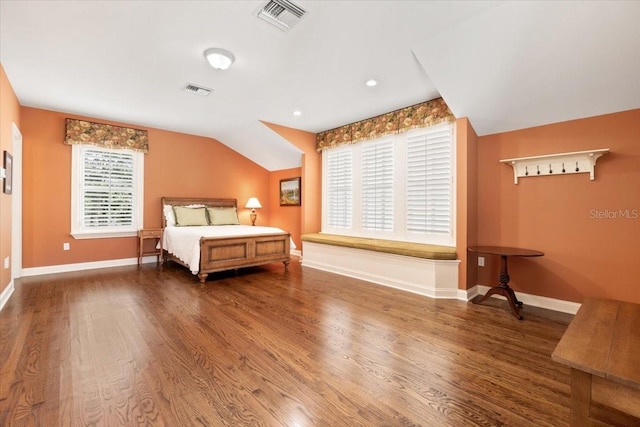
(505, 65)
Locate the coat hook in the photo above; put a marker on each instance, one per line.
(563, 169)
(577, 168)
(550, 170)
(538, 166)
(526, 170)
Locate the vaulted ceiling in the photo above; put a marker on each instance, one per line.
(505, 65)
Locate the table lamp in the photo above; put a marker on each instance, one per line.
(253, 204)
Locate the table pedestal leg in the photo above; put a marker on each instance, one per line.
(504, 289)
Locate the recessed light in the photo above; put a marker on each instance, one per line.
(297, 113)
(371, 82)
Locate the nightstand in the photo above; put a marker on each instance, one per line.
(150, 233)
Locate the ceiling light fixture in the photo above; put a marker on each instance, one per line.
(371, 82)
(219, 59)
(297, 113)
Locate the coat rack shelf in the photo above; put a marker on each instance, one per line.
(556, 164)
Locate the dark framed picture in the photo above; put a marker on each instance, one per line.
(8, 167)
(290, 192)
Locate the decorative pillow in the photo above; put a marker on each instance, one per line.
(170, 215)
(190, 216)
(223, 216)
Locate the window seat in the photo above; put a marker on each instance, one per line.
(417, 250)
(429, 270)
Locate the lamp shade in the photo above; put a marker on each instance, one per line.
(253, 203)
(219, 59)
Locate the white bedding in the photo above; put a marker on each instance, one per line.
(184, 242)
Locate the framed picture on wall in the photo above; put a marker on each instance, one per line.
(290, 192)
(8, 167)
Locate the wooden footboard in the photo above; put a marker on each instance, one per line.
(218, 254)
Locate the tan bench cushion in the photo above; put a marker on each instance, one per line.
(417, 250)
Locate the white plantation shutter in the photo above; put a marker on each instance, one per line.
(429, 188)
(377, 186)
(106, 192)
(399, 187)
(107, 188)
(339, 191)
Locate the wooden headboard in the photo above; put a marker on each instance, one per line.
(185, 201)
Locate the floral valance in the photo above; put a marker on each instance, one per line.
(106, 136)
(425, 114)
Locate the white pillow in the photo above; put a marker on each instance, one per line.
(169, 216)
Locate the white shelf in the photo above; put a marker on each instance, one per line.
(556, 164)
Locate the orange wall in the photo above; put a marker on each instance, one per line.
(286, 217)
(466, 201)
(585, 256)
(177, 165)
(9, 112)
(311, 176)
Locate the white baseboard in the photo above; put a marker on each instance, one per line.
(6, 294)
(295, 252)
(528, 299)
(432, 278)
(441, 281)
(64, 268)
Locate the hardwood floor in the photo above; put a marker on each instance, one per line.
(267, 347)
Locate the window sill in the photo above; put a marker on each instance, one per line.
(103, 234)
(408, 237)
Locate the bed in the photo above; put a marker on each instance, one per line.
(204, 248)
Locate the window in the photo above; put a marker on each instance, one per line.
(429, 182)
(377, 186)
(338, 185)
(397, 188)
(107, 191)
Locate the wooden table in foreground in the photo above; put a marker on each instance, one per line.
(602, 347)
(504, 289)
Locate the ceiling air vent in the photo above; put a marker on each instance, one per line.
(282, 14)
(198, 90)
